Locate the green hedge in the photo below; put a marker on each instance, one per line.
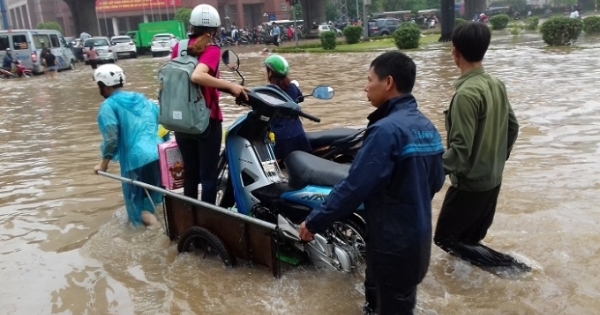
(560, 31)
(591, 25)
(532, 23)
(407, 36)
(353, 34)
(499, 22)
(328, 40)
(458, 21)
(51, 25)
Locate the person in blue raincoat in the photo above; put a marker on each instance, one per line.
(128, 122)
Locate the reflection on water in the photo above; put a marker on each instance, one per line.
(66, 247)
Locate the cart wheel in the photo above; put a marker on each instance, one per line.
(203, 240)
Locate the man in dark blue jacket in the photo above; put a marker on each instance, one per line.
(396, 173)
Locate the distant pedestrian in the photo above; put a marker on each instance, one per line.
(92, 57)
(84, 35)
(50, 63)
(276, 32)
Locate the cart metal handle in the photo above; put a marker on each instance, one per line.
(195, 202)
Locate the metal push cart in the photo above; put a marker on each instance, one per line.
(230, 234)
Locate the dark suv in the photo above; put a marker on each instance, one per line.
(381, 27)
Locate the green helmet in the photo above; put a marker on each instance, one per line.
(278, 65)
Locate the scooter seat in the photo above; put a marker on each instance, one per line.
(326, 137)
(306, 169)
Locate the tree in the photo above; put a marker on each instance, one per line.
(183, 15)
(298, 8)
(50, 25)
(393, 5)
(331, 13)
(410, 5)
(518, 5)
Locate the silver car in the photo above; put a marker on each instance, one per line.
(103, 48)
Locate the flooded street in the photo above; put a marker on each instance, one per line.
(66, 246)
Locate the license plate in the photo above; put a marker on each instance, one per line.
(163, 45)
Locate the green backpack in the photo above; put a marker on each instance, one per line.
(182, 104)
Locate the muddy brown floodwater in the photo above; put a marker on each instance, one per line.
(66, 247)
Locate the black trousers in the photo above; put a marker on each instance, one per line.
(466, 215)
(93, 63)
(464, 221)
(385, 298)
(200, 154)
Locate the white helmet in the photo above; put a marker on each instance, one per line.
(110, 75)
(205, 15)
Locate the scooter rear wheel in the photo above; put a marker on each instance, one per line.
(202, 240)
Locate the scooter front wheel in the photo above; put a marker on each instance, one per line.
(352, 234)
(225, 198)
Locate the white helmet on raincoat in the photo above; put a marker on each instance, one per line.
(110, 75)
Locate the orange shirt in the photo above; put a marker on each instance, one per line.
(92, 54)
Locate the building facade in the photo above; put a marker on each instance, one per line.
(121, 16)
(118, 19)
(27, 14)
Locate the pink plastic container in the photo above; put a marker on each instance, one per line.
(171, 165)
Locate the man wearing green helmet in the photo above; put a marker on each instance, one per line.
(289, 132)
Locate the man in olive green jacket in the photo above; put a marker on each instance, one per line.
(482, 129)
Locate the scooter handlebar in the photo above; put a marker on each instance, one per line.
(309, 116)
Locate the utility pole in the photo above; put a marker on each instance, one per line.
(365, 20)
(293, 3)
(4, 13)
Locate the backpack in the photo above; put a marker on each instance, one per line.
(182, 104)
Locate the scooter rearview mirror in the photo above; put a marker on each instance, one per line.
(323, 92)
(232, 62)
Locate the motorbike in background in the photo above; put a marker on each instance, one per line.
(339, 144)
(19, 72)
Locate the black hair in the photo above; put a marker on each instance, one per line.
(472, 40)
(399, 66)
(120, 85)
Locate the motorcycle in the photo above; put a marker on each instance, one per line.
(339, 145)
(20, 72)
(251, 180)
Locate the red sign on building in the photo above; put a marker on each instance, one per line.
(134, 5)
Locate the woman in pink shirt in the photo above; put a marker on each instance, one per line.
(200, 153)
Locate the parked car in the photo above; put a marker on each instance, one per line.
(328, 28)
(124, 46)
(103, 47)
(161, 44)
(382, 27)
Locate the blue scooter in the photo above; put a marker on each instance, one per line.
(252, 183)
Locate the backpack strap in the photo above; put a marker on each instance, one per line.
(182, 43)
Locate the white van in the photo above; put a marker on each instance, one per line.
(26, 46)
